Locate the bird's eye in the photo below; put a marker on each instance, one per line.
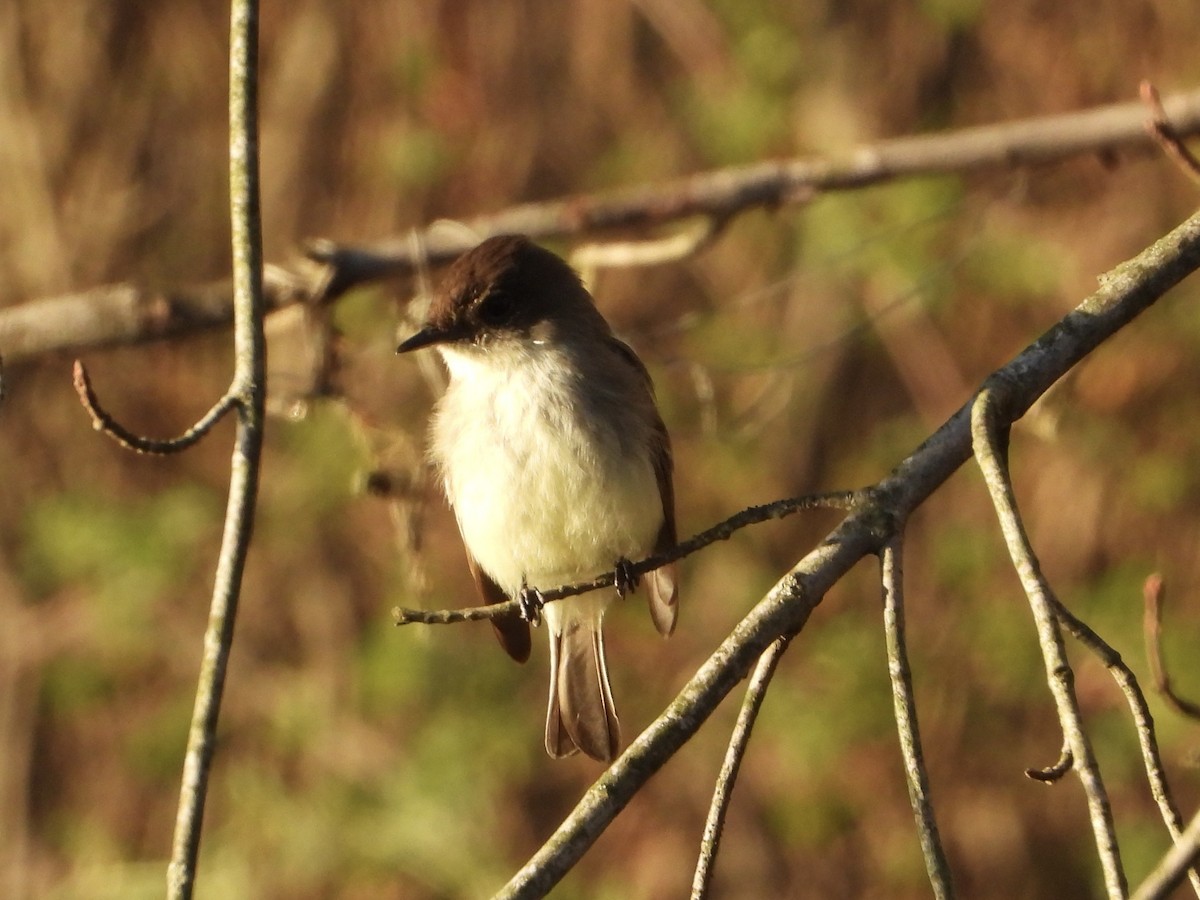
(496, 308)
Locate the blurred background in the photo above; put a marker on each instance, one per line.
(807, 349)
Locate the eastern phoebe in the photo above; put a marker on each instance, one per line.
(555, 460)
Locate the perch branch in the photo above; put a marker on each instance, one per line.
(249, 388)
(722, 531)
(905, 704)
(1124, 293)
(756, 692)
(1154, 593)
(128, 313)
(991, 450)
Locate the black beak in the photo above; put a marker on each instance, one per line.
(427, 337)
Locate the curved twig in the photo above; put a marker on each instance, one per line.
(1053, 773)
(722, 531)
(1154, 594)
(714, 824)
(905, 704)
(989, 431)
(104, 422)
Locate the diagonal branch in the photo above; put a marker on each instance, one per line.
(991, 450)
(1124, 293)
(130, 313)
(756, 692)
(915, 773)
(1169, 873)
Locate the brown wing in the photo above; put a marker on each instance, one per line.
(513, 634)
(663, 594)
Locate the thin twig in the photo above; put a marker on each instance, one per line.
(1051, 774)
(1143, 722)
(1154, 594)
(756, 692)
(990, 439)
(1167, 135)
(905, 705)
(127, 313)
(104, 422)
(249, 389)
(722, 531)
(1169, 873)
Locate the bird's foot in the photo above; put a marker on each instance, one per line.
(624, 577)
(531, 602)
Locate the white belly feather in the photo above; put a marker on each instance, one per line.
(539, 493)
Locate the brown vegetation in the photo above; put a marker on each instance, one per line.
(806, 349)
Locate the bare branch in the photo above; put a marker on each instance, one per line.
(627, 254)
(1164, 131)
(127, 313)
(103, 421)
(990, 442)
(1169, 873)
(905, 705)
(1142, 720)
(722, 531)
(249, 387)
(756, 692)
(1124, 293)
(1154, 593)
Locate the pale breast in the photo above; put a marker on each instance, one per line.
(543, 487)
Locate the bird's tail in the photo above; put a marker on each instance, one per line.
(581, 714)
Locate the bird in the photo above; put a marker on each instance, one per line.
(556, 462)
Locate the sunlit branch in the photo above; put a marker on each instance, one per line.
(1169, 873)
(990, 435)
(1124, 293)
(1142, 720)
(905, 711)
(714, 824)
(129, 313)
(249, 387)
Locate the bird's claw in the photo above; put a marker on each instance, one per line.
(625, 579)
(531, 602)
